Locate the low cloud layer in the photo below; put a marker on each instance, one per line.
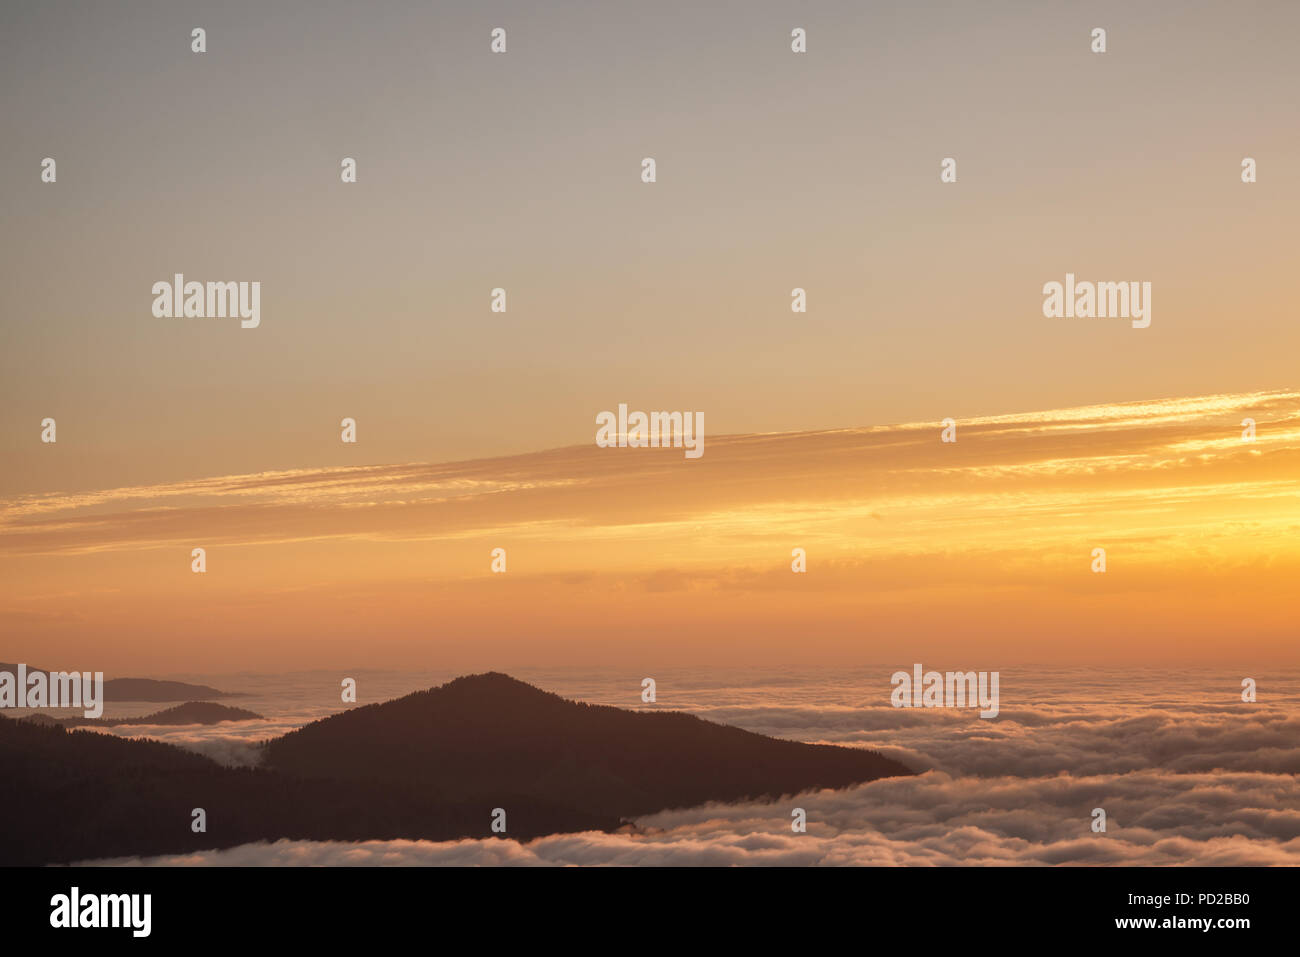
(1153, 818)
(1185, 771)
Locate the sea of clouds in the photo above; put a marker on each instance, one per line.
(1186, 772)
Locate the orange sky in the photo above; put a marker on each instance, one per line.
(776, 171)
(522, 171)
(978, 551)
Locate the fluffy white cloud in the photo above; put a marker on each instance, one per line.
(1186, 772)
(1154, 817)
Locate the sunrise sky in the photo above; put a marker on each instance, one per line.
(979, 548)
(476, 429)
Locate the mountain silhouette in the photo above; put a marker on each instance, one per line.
(432, 765)
(144, 689)
(192, 712)
(482, 734)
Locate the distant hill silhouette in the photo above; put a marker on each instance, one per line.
(431, 765)
(144, 689)
(192, 712)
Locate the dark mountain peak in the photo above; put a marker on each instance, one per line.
(488, 734)
(487, 677)
(192, 712)
(143, 689)
(427, 766)
(478, 694)
(475, 694)
(492, 682)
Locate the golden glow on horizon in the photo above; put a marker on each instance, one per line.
(637, 555)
